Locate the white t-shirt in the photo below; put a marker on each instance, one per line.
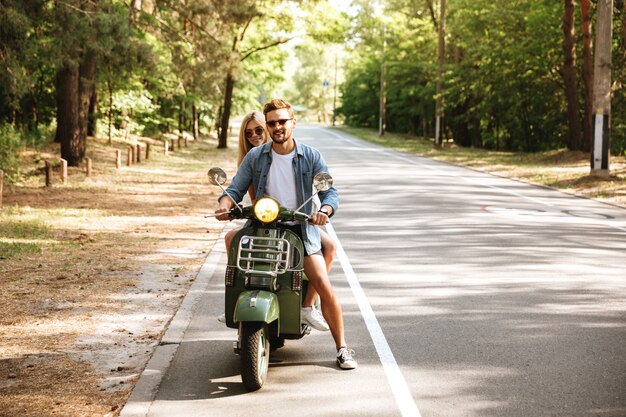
(281, 181)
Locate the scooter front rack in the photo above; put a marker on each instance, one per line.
(263, 254)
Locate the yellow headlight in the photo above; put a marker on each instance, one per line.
(266, 210)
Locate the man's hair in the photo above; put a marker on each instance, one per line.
(277, 103)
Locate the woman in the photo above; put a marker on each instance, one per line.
(253, 133)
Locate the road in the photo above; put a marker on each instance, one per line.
(464, 294)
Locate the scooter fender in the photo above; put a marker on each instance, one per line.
(258, 305)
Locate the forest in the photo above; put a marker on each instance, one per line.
(517, 74)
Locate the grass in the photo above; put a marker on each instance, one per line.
(14, 249)
(19, 236)
(20, 229)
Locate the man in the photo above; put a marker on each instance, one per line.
(283, 170)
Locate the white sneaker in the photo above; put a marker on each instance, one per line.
(344, 358)
(314, 318)
(222, 318)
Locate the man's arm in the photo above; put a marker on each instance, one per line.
(237, 188)
(321, 217)
(329, 199)
(225, 205)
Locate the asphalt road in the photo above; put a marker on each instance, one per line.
(464, 294)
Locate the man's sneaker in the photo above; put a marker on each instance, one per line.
(222, 318)
(313, 317)
(344, 358)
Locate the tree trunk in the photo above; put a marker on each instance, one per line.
(68, 127)
(110, 88)
(196, 123)
(228, 101)
(86, 88)
(600, 152)
(92, 120)
(570, 77)
(64, 94)
(623, 44)
(585, 17)
(441, 57)
(218, 119)
(181, 117)
(75, 86)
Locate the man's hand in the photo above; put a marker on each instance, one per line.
(225, 206)
(321, 218)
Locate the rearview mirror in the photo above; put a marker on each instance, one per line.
(217, 176)
(322, 181)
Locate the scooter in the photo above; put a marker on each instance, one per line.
(265, 280)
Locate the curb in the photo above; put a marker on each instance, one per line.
(145, 390)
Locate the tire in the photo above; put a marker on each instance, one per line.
(255, 355)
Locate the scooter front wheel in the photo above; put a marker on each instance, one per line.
(255, 355)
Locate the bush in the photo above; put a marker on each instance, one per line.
(10, 143)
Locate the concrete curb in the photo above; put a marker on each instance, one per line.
(146, 388)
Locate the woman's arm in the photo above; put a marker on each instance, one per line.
(251, 193)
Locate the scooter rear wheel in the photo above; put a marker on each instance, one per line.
(255, 355)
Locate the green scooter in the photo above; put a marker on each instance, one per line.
(265, 280)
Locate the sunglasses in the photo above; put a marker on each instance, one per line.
(281, 122)
(257, 131)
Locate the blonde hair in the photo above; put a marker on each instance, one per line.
(244, 144)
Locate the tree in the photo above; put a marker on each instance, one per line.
(26, 64)
(441, 59)
(585, 18)
(600, 155)
(269, 33)
(309, 89)
(504, 83)
(570, 76)
(75, 78)
(88, 32)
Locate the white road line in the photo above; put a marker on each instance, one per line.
(395, 378)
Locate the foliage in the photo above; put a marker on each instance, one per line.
(312, 82)
(506, 86)
(360, 94)
(503, 85)
(10, 143)
(618, 112)
(162, 64)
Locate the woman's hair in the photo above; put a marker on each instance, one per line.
(244, 144)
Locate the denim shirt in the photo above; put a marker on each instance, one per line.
(254, 169)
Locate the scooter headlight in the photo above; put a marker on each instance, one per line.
(266, 210)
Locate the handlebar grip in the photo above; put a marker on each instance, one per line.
(300, 216)
(236, 212)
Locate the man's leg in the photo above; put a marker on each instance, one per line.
(315, 269)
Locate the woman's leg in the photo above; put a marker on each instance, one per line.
(229, 237)
(329, 249)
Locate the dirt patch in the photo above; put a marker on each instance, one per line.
(92, 271)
